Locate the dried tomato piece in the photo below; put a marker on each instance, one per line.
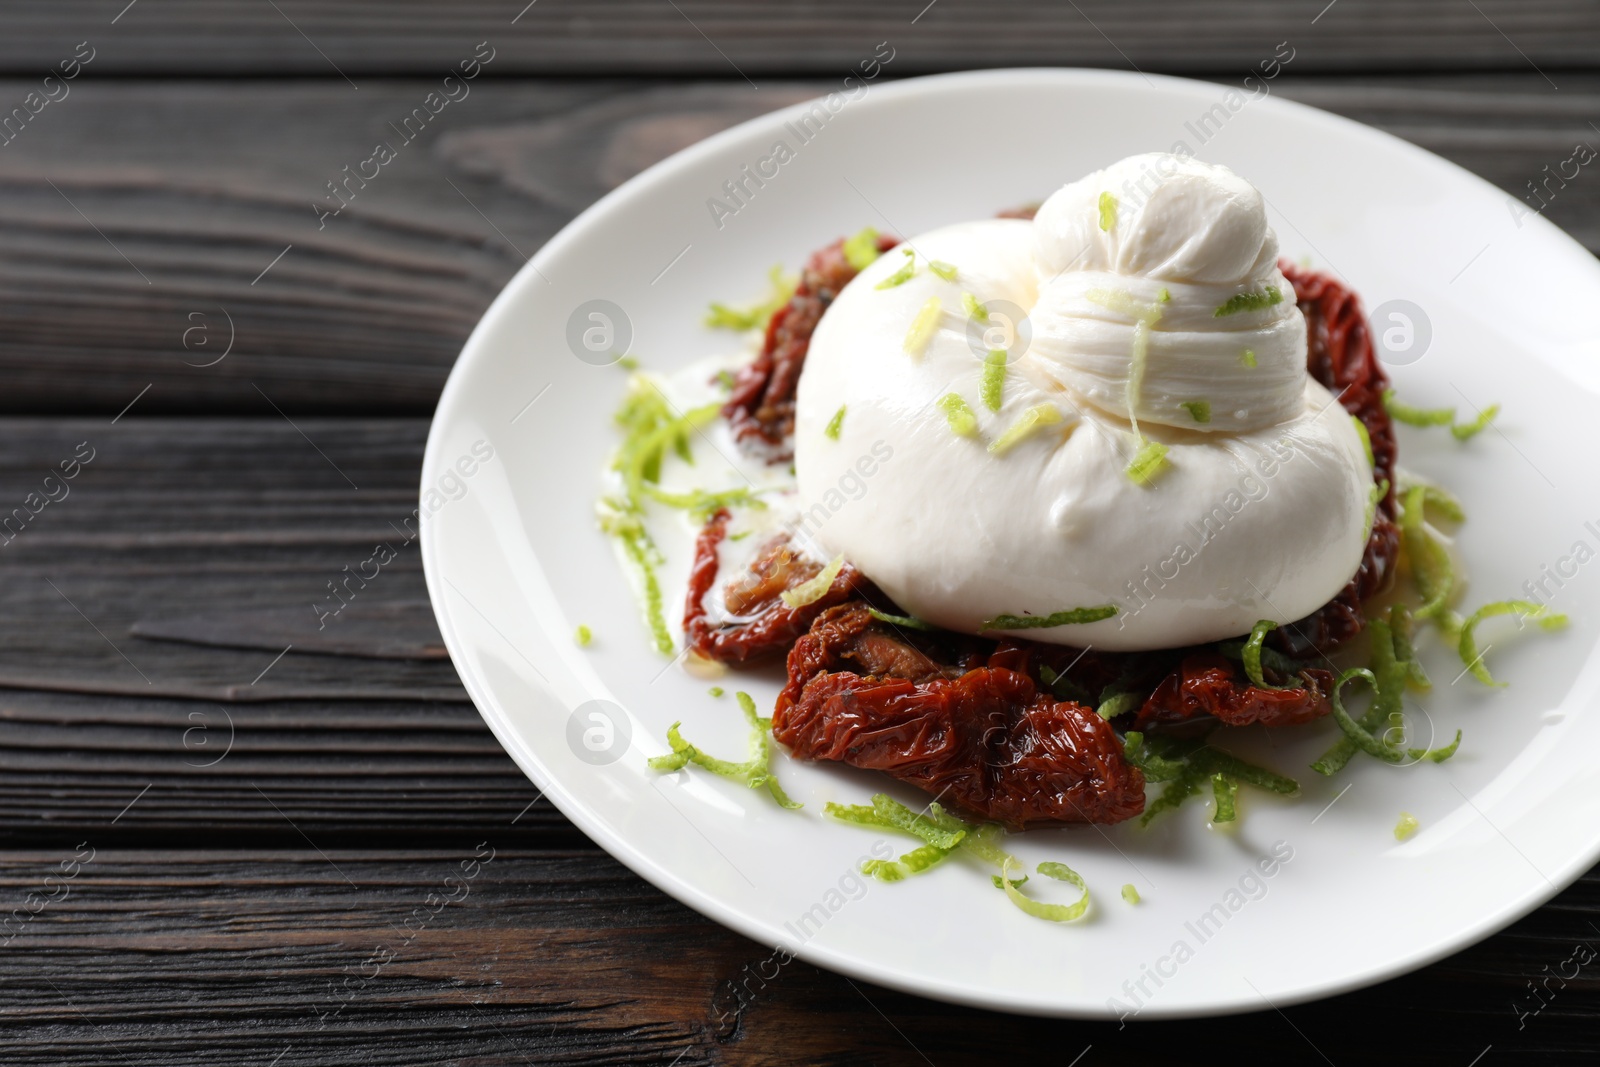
(982, 739)
(760, 409)
(1208, 684)
(760, 623)
(1341, 357)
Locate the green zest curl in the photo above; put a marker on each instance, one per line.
(1071, 617)
(907, 271)
(1108, 212)
(1250, 655)
(1199, 410)
(905, 621)
(1425, 417)
(923, 327)
(963, 423)
(994, 379)
(1248, 358)
(756, 772)
(582, 636)
(1187, 764)
(947, 271)
(1406, 826)
(973, 308)
(835, 424)
(1467, 646)
(861, 248)
(1366, 441)
(1224, 790)
(1028, 423)
(1465, 431)
(1249, 302)
(1130, 893)
(721, 316)
(814, 589)
(1148, 463)
(1430, 562)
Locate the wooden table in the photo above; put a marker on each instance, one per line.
(217, 852)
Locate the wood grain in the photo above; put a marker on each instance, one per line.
(135, 267)
(337, 957)
(351, 39)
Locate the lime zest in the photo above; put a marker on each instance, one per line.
(1148, 463)
(947, 271)
(1465, 431)
(1028, 423)
(906, 272)
(861, 248)
(1413, 416)
(1224, 791)
(1108, 212)
(835, 424)
(1250, 301)
(1070, 617)
(755, 772)
(1199, 410)
(716, 691)
(1185, 765)
(1406, 826)
(906, 621)
(1113, 704)
(582, 636)
(1366, 441)
(923, 327)
(814, 589)
(1059, 913)
(1467, 645)
(1250, 655)
(1164, 296)
(1431, 568)
(993, 386)
(975, 310)
(963, 422)
(756, 316)
(1130, 893)
(1248, 358)
(1360, 734)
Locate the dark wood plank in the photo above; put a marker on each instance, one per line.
(184, 208)
(336, 957)
(258, 521)
(358, 38)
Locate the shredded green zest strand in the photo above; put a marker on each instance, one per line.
(1148, 463)
(1059, 913)
(814, 589)
(973, 308)
(1465, 431)
(1436, 498)
(835, 424)
(1467, 646)
(756, 316)
(1248, 358)
(906, 272)
(756, 772)
(1366, 440)
(934, 826)
(1379, 490)
(947, 271)
(963, 422)
(905, 621)
(1108, 212)
(861, 248)
(923, 327)
(1199, 410)
(1430, 563)
(1118, 704)
(914, 862)
(582, 636)
(1390, 672)
(645, 557)
(1224, 790)
(994, 379)
(1250, 655)
(1164, 296)
(1406, 826)
(1063, 688)
(1270, 657)
(1412, 416)
(716, 690)
(1186, 765)
(999, 883)
(1028, 423)
(1250, 302)
(1362, 737)
(1130, 893)
(1071, 617)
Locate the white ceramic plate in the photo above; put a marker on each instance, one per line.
(514, 562)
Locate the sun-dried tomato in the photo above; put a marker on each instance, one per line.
(760, 409)
(759, 622)
(1207, 684)
(981, 739)
(1341, 357)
